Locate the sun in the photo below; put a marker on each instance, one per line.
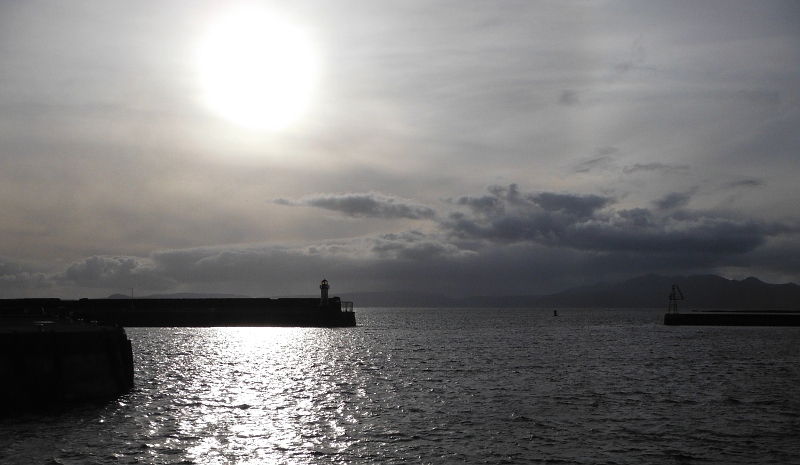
(257, 70)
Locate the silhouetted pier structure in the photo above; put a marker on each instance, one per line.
(193, 312)
(45, 362)
(726, 318)
(56, 351)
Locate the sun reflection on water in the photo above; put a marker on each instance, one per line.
(254, 395)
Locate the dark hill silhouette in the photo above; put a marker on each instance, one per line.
(705, 291)
(650, 291)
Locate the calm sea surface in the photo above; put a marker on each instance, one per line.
(440, 386)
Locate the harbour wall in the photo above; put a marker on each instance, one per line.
(191, 312)
(732, 319)
(45, 362)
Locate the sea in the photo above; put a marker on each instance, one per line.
(440, 386)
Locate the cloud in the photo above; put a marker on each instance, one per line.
(508, 216)
(578, 205)
(18, 277)
(704, 235)
(673, 200)
(506, 241)
(748, 182)
(568, 97)
(368, 205)
(580, 222)
(105, 274)
(416, 246)
(115, 272)
(420, 101)
(604, 162)
(638, 217)
(486, 205)
(503, 198)
(639, 167)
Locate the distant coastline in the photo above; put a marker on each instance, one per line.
(650, 291)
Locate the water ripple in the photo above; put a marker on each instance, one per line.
(440, 386)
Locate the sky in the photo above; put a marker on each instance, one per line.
(455, 147)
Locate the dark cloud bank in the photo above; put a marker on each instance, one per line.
(503, 242)
(369, 205)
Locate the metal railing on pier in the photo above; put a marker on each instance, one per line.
(347, 306)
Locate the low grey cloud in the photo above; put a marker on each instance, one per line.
(748, 182)
(507, 240)
(568, 97)
(578, 205)
(115, 272)
(673, 200)
(22, 276)
(87, 275)
(416, 246)
(663, 167)
(502, 199)
(579, 222)
(639, 217)
(593, 164)
(366, 205)
(486, 205)
(369, 262)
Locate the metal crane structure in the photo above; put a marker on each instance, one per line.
(674, 297)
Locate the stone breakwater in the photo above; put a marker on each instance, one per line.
(50, 362)
(733, 319)
(190, 312)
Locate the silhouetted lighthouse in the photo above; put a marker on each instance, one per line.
(323, 300)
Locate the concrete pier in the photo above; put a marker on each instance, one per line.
(46, 362)
(326, 311)
(732, 319)
(212, 312)
(190, 312)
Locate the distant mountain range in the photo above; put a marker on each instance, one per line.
(650, 291)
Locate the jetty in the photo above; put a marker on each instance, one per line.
(45, 362)
(55, 351)
(717, 318)
(726, 318)
(192, 312)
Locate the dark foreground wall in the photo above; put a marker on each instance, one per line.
(732, 319)
(190, 312)
(44, 363)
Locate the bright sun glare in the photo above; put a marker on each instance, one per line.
(257, 70)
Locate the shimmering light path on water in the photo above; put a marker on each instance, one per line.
(441, 386)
